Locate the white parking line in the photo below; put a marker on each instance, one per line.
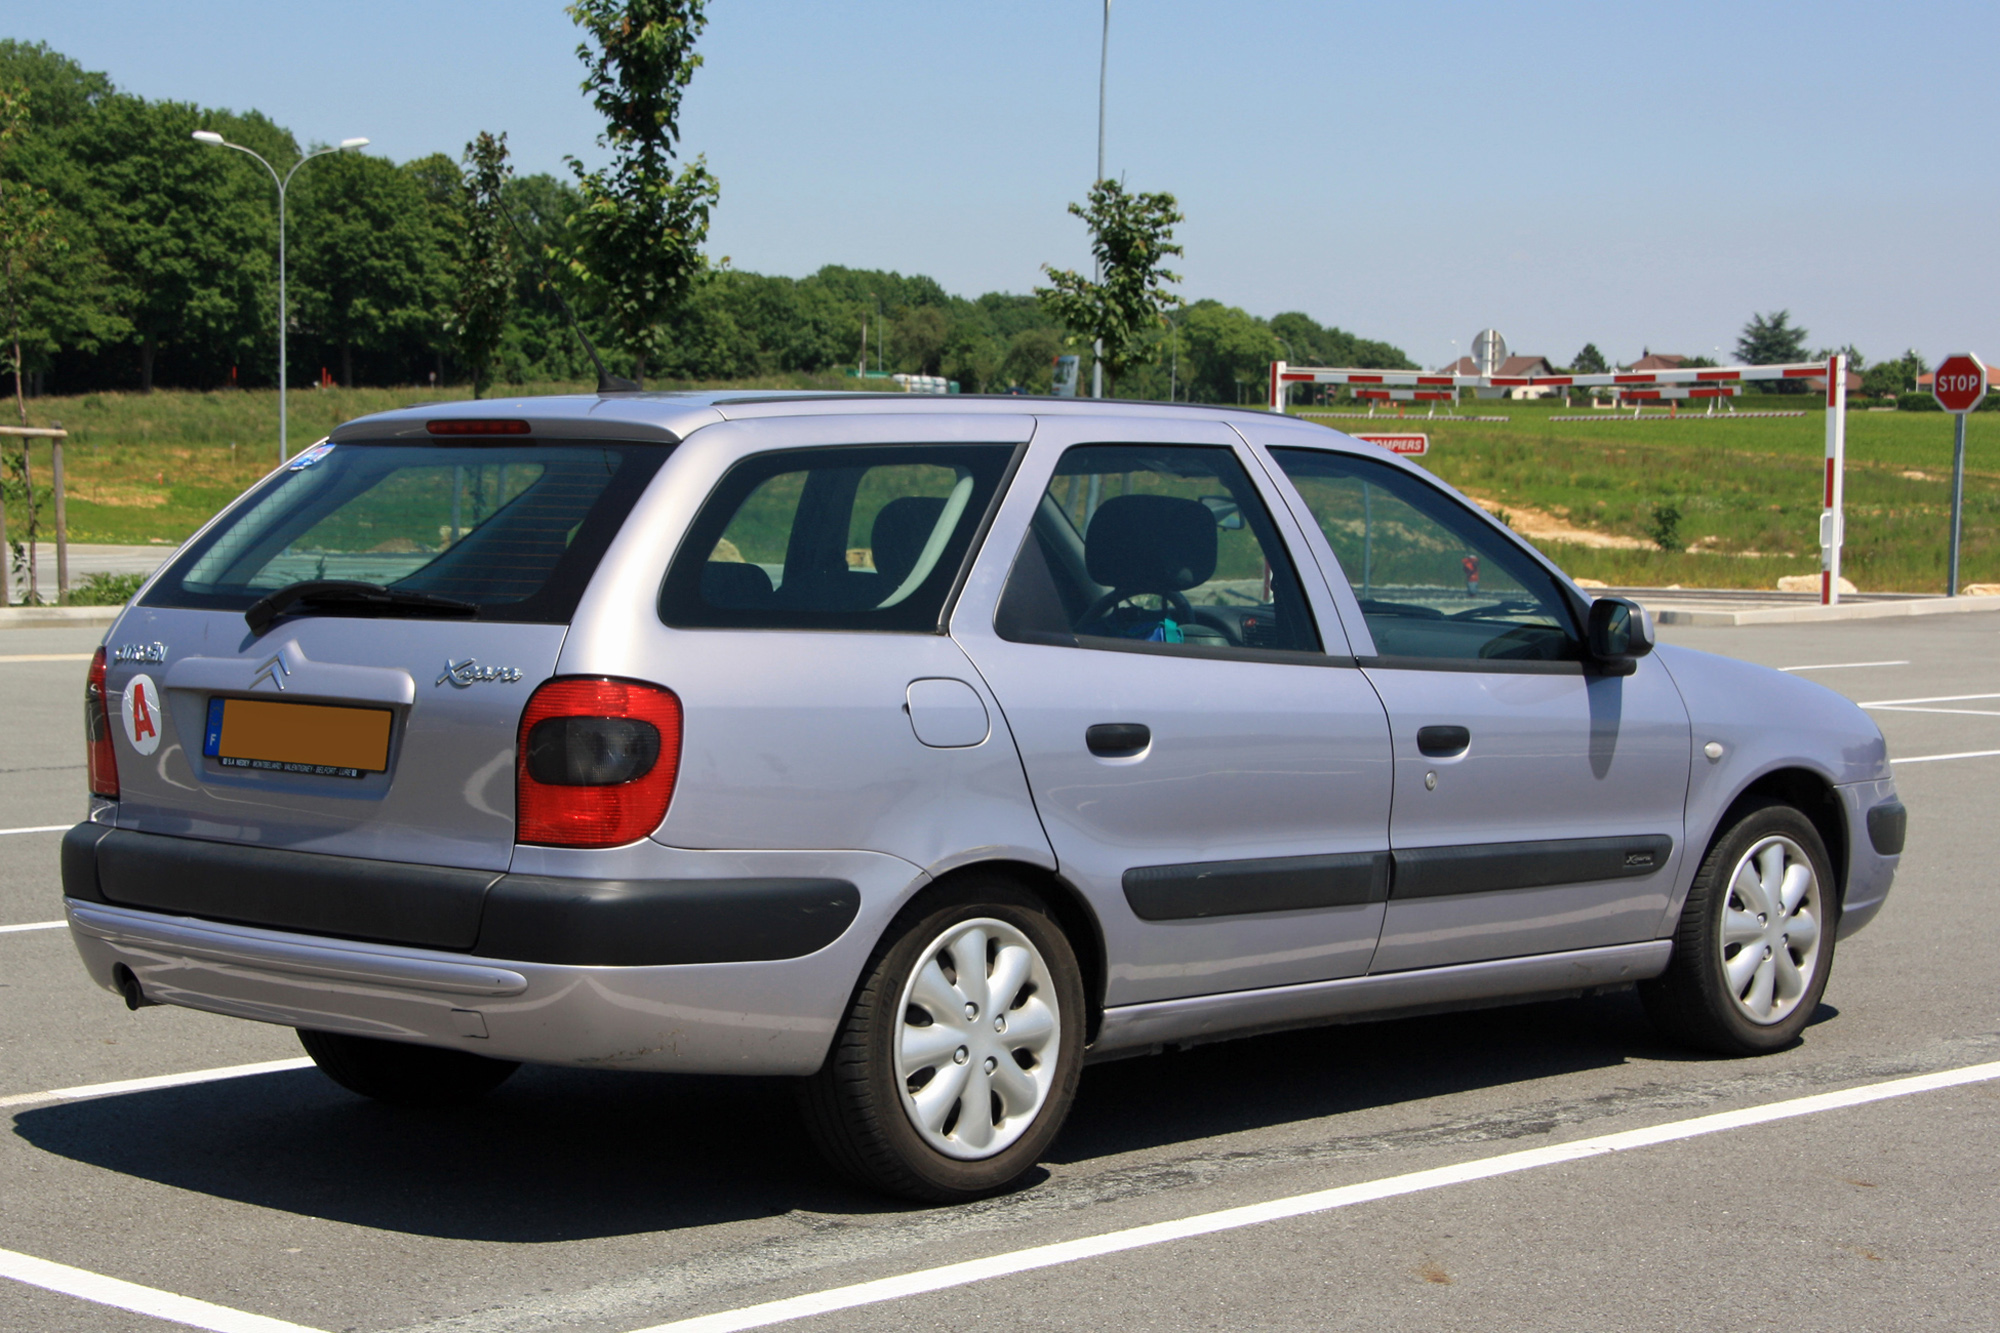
(94, 1287)
(1929, 699)
(1840, 666)
(39, 828)
(1933, 758)
(48, 657)
(89, 1090)
(1230, 1219)
(33, 925)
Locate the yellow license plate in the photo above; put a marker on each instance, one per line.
(324, 740)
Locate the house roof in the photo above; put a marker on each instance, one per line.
(1658, 361)
(1513, 365)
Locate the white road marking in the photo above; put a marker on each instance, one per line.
(48, 657)
(123, 1086)
(1932, 758)
(101, 1290)
(34, 925)
(1840, 666)
(39, 828)
(1932, 699)
(1955, 712)
(1230, 1219)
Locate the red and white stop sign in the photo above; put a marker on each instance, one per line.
(1960, 382)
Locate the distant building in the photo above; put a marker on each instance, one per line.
(1658, 361)
(1512, 367)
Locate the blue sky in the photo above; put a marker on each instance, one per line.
(1632, 175)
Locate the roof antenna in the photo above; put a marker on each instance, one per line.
(606, 381)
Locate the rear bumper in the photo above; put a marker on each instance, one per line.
(766, 1015)
(623, 922)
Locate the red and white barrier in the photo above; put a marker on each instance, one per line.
(1702, 382)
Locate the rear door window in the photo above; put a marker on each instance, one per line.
(516, 530)
(869, 538)
(1163, 546)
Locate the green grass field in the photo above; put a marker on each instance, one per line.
(1748, 492)
(150, 468)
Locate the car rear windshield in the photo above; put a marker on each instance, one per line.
(515, 530)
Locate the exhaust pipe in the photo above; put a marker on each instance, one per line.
(128, 986)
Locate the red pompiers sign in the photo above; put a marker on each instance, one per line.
(1412, 445)
(1960, 383)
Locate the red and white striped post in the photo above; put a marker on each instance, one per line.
(1832, 520)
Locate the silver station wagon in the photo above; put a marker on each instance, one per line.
(925, 750)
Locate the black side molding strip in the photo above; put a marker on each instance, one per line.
(1434, 872)
(1271, 884)
(1201, 889)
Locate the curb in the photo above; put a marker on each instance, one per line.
(1794, 615)
(57, 617)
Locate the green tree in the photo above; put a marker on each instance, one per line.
(639, 226)
(1226, 352)
(185, 231)
(1030, 359)
(485, 259)
(1590, 361)
(369, 251)
(1131, 235)
(27, 226)
(1771, 340)
(1886, 379)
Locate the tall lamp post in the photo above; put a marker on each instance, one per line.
(1103, 63)
(215, 140)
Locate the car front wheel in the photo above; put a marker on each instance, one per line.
(1755, 940)
(960, 1053)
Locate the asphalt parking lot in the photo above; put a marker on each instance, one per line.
(1846, 1195)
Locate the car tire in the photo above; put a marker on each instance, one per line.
(928, 1019)
(1754, 945)
(403, 1074)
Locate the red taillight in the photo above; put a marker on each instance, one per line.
(103, 760)
(480, 426)
(596, 762)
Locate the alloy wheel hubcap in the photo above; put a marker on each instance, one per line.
(977, 1043)
(1770, 930)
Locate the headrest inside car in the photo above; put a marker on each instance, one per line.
(1151, 543)
(735, 586)
(901, 528)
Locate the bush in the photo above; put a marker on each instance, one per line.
(1666, 529)
(106, 590)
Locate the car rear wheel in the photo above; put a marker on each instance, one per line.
(403, 1074)
(1755, 940)
(959, 1056)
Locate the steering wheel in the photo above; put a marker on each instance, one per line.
(1177, 605)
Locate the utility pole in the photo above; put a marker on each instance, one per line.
(1103, 63)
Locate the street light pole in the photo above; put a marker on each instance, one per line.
(1103, 63)
(215, 140)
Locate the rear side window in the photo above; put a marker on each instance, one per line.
(514, 529)
(868, 538)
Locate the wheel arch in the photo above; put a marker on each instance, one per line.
(1071, 911)
(1813, 796)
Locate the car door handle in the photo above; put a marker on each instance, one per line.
(1114, 740)
(1440, 742)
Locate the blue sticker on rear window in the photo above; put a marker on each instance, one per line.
(310, 456)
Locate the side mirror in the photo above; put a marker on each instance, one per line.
(1228, 516)
(1620, 634)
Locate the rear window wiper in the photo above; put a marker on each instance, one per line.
(349, 595)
